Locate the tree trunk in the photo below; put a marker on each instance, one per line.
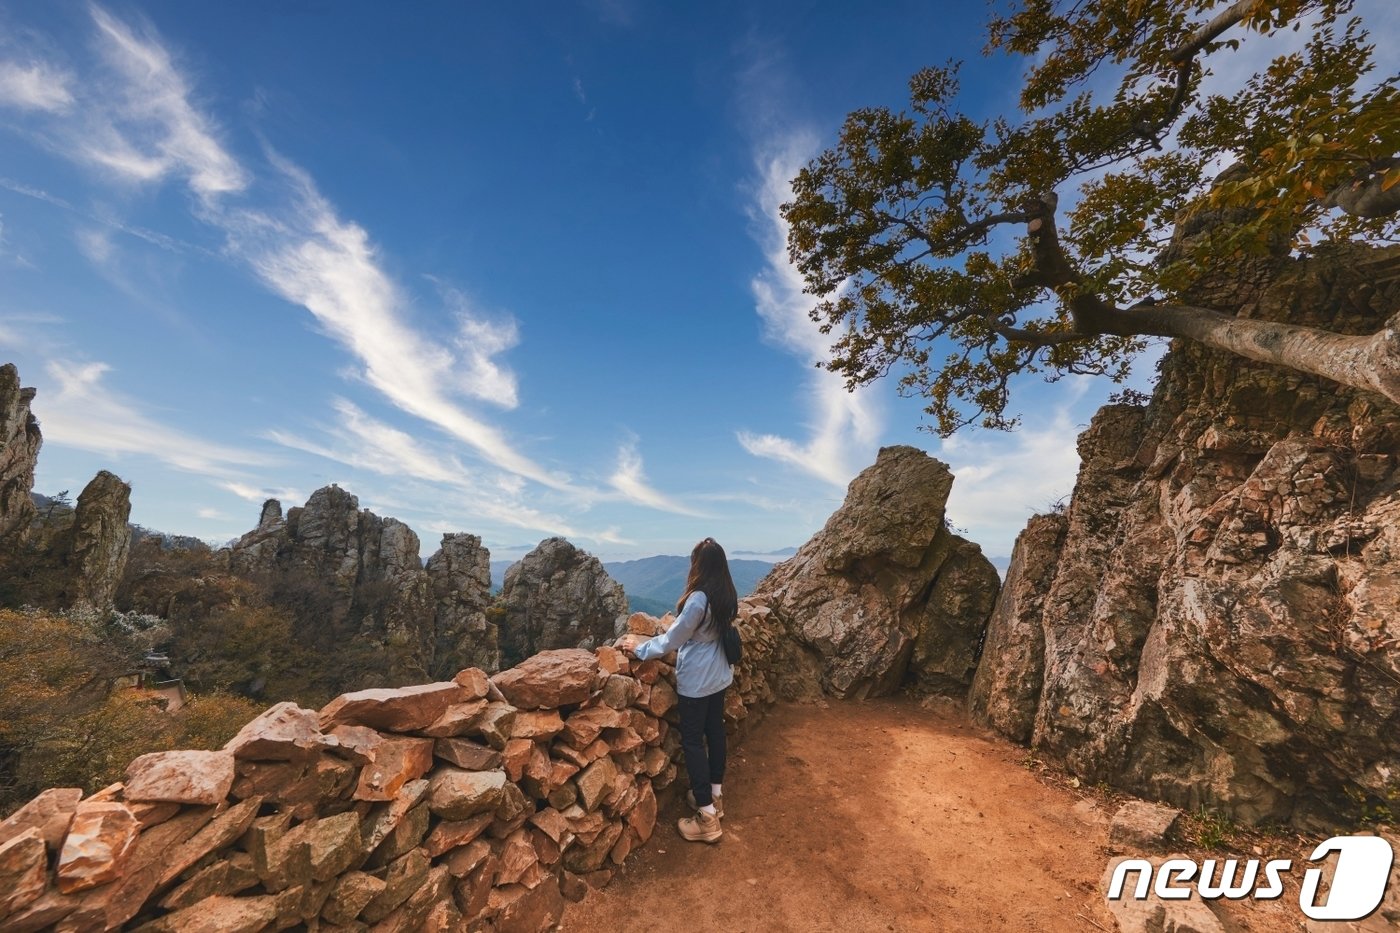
(1370, 362)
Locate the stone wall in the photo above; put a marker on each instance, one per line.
(480, 802)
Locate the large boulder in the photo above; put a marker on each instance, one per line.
(550, 679)
(885, 592)
(19, 452)
(1215, 621)
(557, 596)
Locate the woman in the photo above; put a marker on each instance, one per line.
(703, 614)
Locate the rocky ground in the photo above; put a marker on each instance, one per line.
(887, 815)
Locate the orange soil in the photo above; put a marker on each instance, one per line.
(878, 815)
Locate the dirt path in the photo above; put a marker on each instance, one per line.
(868, 816)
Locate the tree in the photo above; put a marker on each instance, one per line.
(928, 230)
(65, 722)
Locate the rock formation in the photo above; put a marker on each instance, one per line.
(19, 451)
(557, 596)
(1216, 620)
(1006, 690)
(459, 579)
(271, 514)
(96, 546)
(366, 572)
(884, 593)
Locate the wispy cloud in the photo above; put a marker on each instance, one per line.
(148, 127)
(582, 96)
(29, 191)
(843, 426)
(8, 253)
(137, 122)
(81, 411)
(630, 480)
(35, 86)
(363, 442)
(261, 494)
(155, 238)
(480, 340)
(96, 245)
(32, 331)
(313, 258)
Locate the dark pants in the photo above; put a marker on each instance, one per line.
(702, 722)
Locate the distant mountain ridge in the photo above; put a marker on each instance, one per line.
(653, 584)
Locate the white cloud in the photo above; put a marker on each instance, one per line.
(479, 341)
(36, 86)
(80, 411)
(30, 191)
(630, 480)
(1003, 479)
(843, 426)
(313, 258)
(143, 127)
(10, 255)
(364, 442)
(32, 332)
(137, 121)
(147, 126)
(211, 513)
(96, 245)
(261, 494)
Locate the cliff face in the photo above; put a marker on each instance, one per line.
(884, 593)
(1216, 619)
(19, 451)
(558, 596)
(366, 571)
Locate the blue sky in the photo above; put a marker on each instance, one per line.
(508, 269)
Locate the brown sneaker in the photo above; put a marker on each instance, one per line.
(702, 827)
(717, 801)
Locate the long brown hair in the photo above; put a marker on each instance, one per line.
(709, 574)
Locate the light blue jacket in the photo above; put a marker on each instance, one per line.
(701, 667)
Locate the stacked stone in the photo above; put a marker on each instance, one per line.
(752, 691)
(479, 803)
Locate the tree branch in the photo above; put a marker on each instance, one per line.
(1371, 363)
(969, 231)
(1184, 53)
(1035, 338)
(1184, 57)
(1366, 362)
(1365, 194)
